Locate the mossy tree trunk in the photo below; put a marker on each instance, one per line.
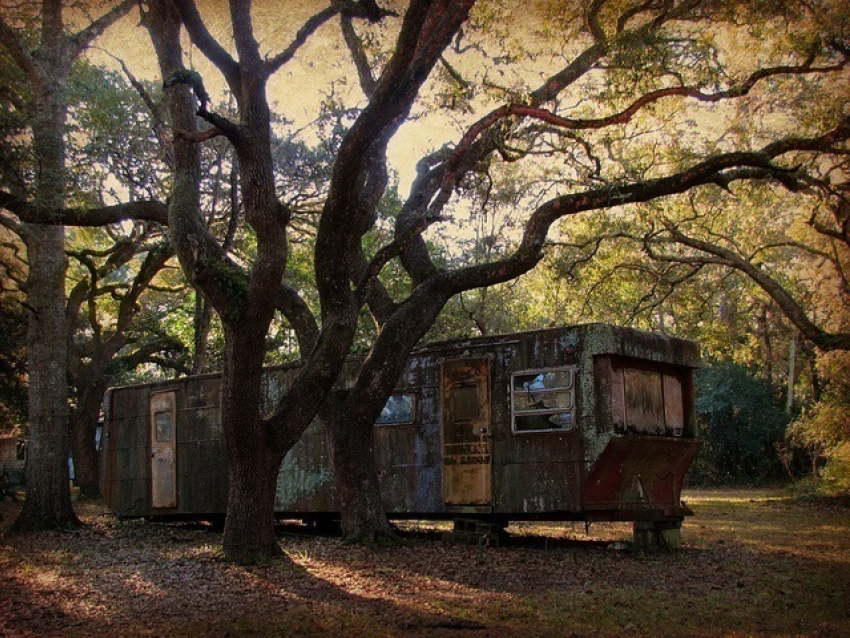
(48, 503)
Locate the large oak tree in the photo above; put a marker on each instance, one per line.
(620, 71)
(646, 51)
(46, 66)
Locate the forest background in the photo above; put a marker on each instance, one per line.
(755, 270)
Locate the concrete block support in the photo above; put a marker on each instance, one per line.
(658, 534)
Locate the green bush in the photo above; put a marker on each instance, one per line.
(740, 427)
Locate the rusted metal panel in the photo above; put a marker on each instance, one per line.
(461, 452)
(202, 455)
(395, 461)
(674, 406)
(618, 396)
(647, 397)
(540, 487)
(534, 472)
(644, 401)
(305, 482)
(203, 477)
(640, 473)
(408, 457)
(125, 468)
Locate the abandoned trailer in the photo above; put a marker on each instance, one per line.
(588, 423)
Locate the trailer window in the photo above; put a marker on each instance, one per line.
(399, 409)
(164, 427)
(543, 400)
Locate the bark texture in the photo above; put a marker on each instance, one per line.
(48, 502)
(84, 418)
(47, 68)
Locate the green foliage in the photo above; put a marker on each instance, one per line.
(113, 148)
(233, 282)
(15, 102)
(823, 432)
(13, 361)
(739, 424)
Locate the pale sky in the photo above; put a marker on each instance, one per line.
(294, 90)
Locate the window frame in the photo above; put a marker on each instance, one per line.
(571, 390)
(413, 410)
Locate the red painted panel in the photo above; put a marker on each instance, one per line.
(640, 472)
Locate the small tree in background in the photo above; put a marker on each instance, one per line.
(823, 432)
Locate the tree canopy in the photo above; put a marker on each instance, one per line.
(633, 138)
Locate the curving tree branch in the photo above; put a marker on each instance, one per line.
(29, 213)
(790, 307)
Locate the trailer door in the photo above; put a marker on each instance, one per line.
(163, 412)
(467, 447)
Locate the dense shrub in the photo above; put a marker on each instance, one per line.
(740, 427)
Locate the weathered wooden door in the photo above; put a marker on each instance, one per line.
(467, 447)
(163, 411)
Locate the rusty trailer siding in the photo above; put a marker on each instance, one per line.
(124, 472)
(127, 446)
(617, 444)
(409, 455)
(305, 484)
(202, 485)
(127, 479)
(536, 472)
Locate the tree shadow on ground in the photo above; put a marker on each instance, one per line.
(134, 578)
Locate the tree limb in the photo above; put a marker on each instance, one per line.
(27, 212)
(307, 29)
(82, 39)
(300, 317)
(208, 45)
(529, 251)
(358, 56)
(793, 310)
(12, 43)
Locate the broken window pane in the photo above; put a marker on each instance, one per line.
(543, 400)
(400, 408)
(548, 380)
(538, 401)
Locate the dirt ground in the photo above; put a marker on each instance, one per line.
(753, 564)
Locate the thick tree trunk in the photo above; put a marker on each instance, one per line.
(83, 428)
(351, 431)
(48, 502)
(249, 534)
(249, 529)
(358, 489)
